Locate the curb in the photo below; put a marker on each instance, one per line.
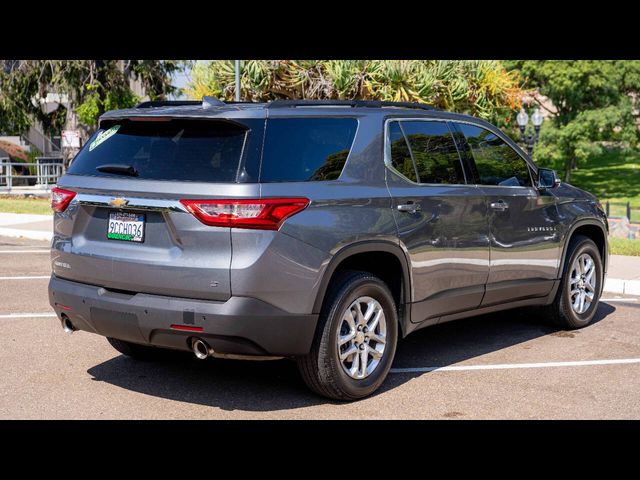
(31, 234)
(624, 287)
(611, 285)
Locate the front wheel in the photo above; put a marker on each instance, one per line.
(355, 340)
(577, 300)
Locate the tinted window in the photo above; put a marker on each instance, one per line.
(496, 162)
(206, 151)
(434, 152)
(400, 156)
(306, 149)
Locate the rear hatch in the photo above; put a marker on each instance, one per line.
(128, 228)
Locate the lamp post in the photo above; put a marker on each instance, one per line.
(523, 119)
(237, 72)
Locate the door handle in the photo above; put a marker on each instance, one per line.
(409, 207)
(500, 205)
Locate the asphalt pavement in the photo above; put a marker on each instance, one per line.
(507, 365)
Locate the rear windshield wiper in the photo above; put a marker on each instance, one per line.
(119, 169)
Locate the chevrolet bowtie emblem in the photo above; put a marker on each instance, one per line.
(118, 202)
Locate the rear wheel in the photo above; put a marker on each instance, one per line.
(577, 299)
(355, 340)
(135, 350)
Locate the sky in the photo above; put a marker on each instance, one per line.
(180, 80)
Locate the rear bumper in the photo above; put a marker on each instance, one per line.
(241, 325)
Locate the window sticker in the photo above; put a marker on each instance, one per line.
(104, 136)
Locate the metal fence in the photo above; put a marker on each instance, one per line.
(41, 174)
(619, 209)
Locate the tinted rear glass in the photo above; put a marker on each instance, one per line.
(434, 152)
(188, 150)
(400, 155)
(306, 149)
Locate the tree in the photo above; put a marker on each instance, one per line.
(594, 102)
(92, 87)
(479, 87)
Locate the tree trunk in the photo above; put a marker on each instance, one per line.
(568, 168)
(72, 122)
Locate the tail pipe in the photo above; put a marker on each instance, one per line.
(201, 349)
(67, 326)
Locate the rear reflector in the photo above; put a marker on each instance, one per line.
(187, 328)
(62, 307)
(60, 199)
(265, 214)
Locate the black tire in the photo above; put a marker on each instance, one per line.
(136, 351)
(321, 369)
(560, 312)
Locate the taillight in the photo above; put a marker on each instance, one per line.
(60, 199)
(265, 214)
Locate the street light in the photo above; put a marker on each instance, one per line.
(523, 119)
(237, 72)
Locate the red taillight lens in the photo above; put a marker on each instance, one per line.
(265, 214)
(60, 199)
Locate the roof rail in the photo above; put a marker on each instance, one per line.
(347, 103)
(167, 103)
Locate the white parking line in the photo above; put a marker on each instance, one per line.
(25, 251)
(506, 366)
(35, 277)
(28, 315)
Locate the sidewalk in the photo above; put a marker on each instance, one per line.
(623, 275)
(35, 227)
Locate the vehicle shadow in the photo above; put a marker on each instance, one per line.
(276, 385)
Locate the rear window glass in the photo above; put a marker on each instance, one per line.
(400, 154)
(434, 152)
(188, 150)
(306, 149)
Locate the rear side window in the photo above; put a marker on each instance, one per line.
(188, 150)
(425, 152)
(306, 149)
(434, 152)
(496, 162)
(400, 154)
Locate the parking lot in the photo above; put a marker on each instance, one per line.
(508, 365)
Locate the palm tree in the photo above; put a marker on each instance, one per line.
(478, 87)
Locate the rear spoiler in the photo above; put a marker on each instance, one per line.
(167, 103)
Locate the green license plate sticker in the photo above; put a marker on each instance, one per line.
(104, 136)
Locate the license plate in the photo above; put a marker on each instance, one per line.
(126, 226)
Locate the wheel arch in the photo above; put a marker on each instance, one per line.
(389, 260)
(596, 232)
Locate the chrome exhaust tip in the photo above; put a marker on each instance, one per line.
(200, 349)
(67, 326)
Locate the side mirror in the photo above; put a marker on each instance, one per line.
(547, 178)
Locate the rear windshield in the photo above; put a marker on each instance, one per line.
(189, 150)
(294, 150)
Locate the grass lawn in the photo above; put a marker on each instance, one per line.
(614, 176)
(624, 246)
(39, 206)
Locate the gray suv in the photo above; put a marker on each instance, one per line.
(321, 231)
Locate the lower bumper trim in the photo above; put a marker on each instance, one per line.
(241, 325)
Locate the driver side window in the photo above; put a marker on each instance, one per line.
(496, 162)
